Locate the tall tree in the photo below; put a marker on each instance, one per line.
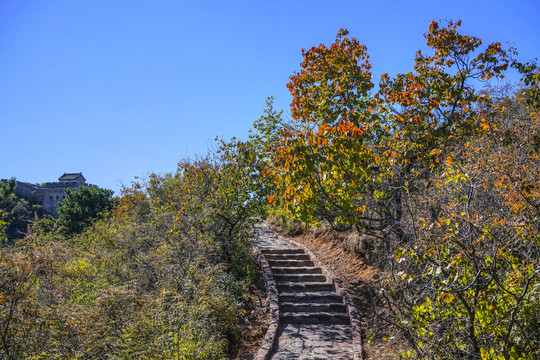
(323, 164)
(82, 206)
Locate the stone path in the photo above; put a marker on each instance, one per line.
(313, 318)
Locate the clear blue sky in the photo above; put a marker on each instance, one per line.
(120, 88)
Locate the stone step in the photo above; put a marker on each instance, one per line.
(287, 257)
(287, 317)
(300, 277)
(313, 307)
(289, 263)
(271, 251)
(312, 297)
(297, 270)
(286, 286)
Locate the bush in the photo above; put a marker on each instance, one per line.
(162, 277)
(82, 206)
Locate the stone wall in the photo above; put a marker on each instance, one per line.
(31, 192)
(47, 195)
(51, 197)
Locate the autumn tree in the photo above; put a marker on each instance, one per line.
(464, 285)
(467, 288)
(324, 164)
(421, 159)
(164, 276)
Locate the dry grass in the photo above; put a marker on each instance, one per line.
(254, 326)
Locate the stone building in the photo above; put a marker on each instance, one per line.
(49, 194)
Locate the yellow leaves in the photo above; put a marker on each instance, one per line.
(448, 298)
(449, 160)
(403, 276)
(361, 209)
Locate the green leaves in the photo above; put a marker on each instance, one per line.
(83, 205)
(163, 276)
(430, 164)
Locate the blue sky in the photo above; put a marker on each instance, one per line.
(117, 89)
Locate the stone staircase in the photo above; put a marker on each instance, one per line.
(311, 315)
(306, 296)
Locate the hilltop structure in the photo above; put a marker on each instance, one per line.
(49, 194)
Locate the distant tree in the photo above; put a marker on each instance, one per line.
(15, 213)
(82, 206)
(6, 188)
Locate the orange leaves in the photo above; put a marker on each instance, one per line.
(435, 102)
(448, 298)
(447, 41)
(315, 93)
(410, 125)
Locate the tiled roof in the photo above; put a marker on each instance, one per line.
(71, 177)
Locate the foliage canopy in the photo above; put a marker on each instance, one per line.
(83, 205)
(439, 173)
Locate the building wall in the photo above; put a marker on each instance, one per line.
(52, 195)
(47, 195)
(31, 192)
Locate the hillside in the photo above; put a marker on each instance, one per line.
(421, 194)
